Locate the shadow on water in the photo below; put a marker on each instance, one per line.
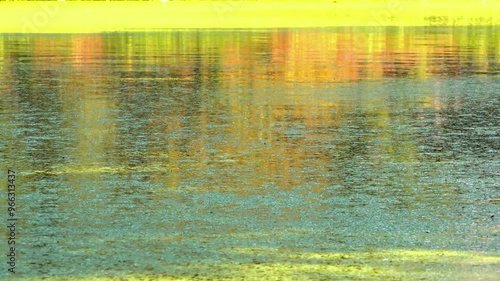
(343, 153)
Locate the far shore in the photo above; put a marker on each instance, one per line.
(92, 17)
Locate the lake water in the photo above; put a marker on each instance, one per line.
(298, 154)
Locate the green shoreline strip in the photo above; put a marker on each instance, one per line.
(91, 17)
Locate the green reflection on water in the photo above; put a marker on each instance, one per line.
(145, 153)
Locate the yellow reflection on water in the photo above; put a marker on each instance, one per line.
(264, 82)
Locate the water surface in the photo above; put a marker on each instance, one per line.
(343, 153)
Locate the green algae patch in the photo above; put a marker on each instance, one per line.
(280, 264)
(98, 170)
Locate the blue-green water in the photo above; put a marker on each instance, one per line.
(198, 153)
